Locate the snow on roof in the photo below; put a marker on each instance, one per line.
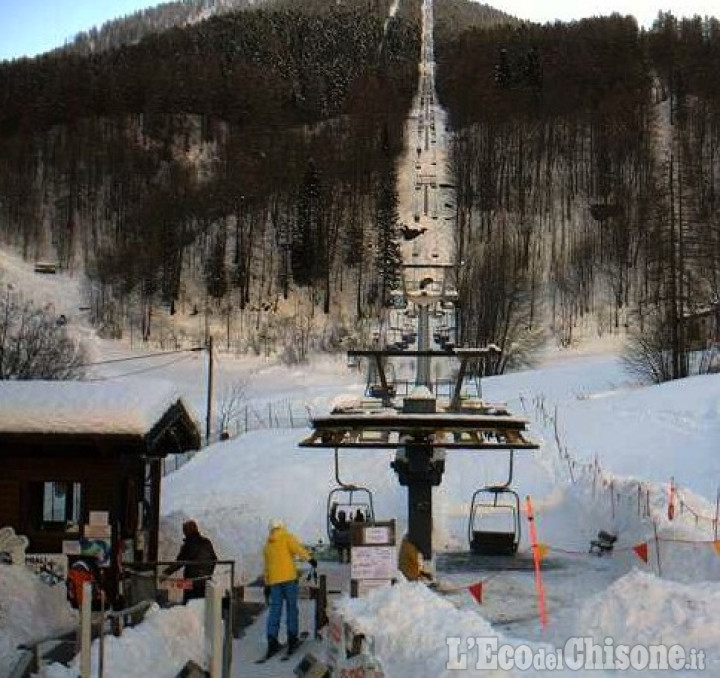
(76, 407)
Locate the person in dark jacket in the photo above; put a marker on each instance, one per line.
(340, 533)
(200, 555)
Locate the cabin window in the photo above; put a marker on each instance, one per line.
(61, 505)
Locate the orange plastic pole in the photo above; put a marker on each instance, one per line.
(536, 560)
(671, 499)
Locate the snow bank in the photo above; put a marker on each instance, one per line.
(29, 609)
(159, 647)
(641, 608)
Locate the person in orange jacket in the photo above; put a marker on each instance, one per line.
(410, 561)
(279, 553)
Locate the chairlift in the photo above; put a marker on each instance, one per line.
(379, 387)
(494, 527)
(349, 498)
(397, 299)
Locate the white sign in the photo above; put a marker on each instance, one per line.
(51, 568)
(373, 562)
(71, 548)
(377, 535)
(99, 517)
(92, 531)
(365, 585)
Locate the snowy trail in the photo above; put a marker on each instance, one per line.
(426, 203)
(233, 487)
(423, 177)
(60, 291)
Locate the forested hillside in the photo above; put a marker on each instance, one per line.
(217, 165)
(586, 161)
(134, 27)
(243, 168)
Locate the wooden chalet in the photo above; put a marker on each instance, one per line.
(82, 462)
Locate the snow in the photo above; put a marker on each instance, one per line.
(128, 407)
(640, 608)
(29, 609)
(160, 647)
(409, 624)
(608, 451)
(616, 433)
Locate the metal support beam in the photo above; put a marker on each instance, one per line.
(419, 468)
(423, 363)
(420, 517)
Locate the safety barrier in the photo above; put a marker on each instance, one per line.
(652, 503)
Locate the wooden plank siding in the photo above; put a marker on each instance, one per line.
(104, 477)
(118, 473)
(9, 503)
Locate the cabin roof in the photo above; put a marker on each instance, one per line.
(146, 410)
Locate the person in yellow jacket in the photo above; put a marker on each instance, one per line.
(279, 553)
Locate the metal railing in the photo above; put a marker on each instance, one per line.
(272, 415)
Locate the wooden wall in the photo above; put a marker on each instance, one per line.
(105, 475)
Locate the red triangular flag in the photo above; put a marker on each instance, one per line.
(641, 551)
(476, 591)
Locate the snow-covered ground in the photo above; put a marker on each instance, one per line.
(608, 451)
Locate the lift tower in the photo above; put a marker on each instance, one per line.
(421, 428)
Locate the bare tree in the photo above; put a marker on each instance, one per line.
(232, 402)
(648, 354)
(34, 344)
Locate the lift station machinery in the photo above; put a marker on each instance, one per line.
(415, 421)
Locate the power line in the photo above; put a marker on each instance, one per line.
(140, 371)
(143, 357)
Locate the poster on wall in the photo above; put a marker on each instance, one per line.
(100, 549)
(96, 541)
(50, 568)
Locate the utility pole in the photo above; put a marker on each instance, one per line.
(208, 418)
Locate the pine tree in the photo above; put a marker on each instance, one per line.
(309, 242)
(389, 258)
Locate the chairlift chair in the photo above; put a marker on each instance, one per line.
(375, 387)
(349, 498)
(494, 527)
